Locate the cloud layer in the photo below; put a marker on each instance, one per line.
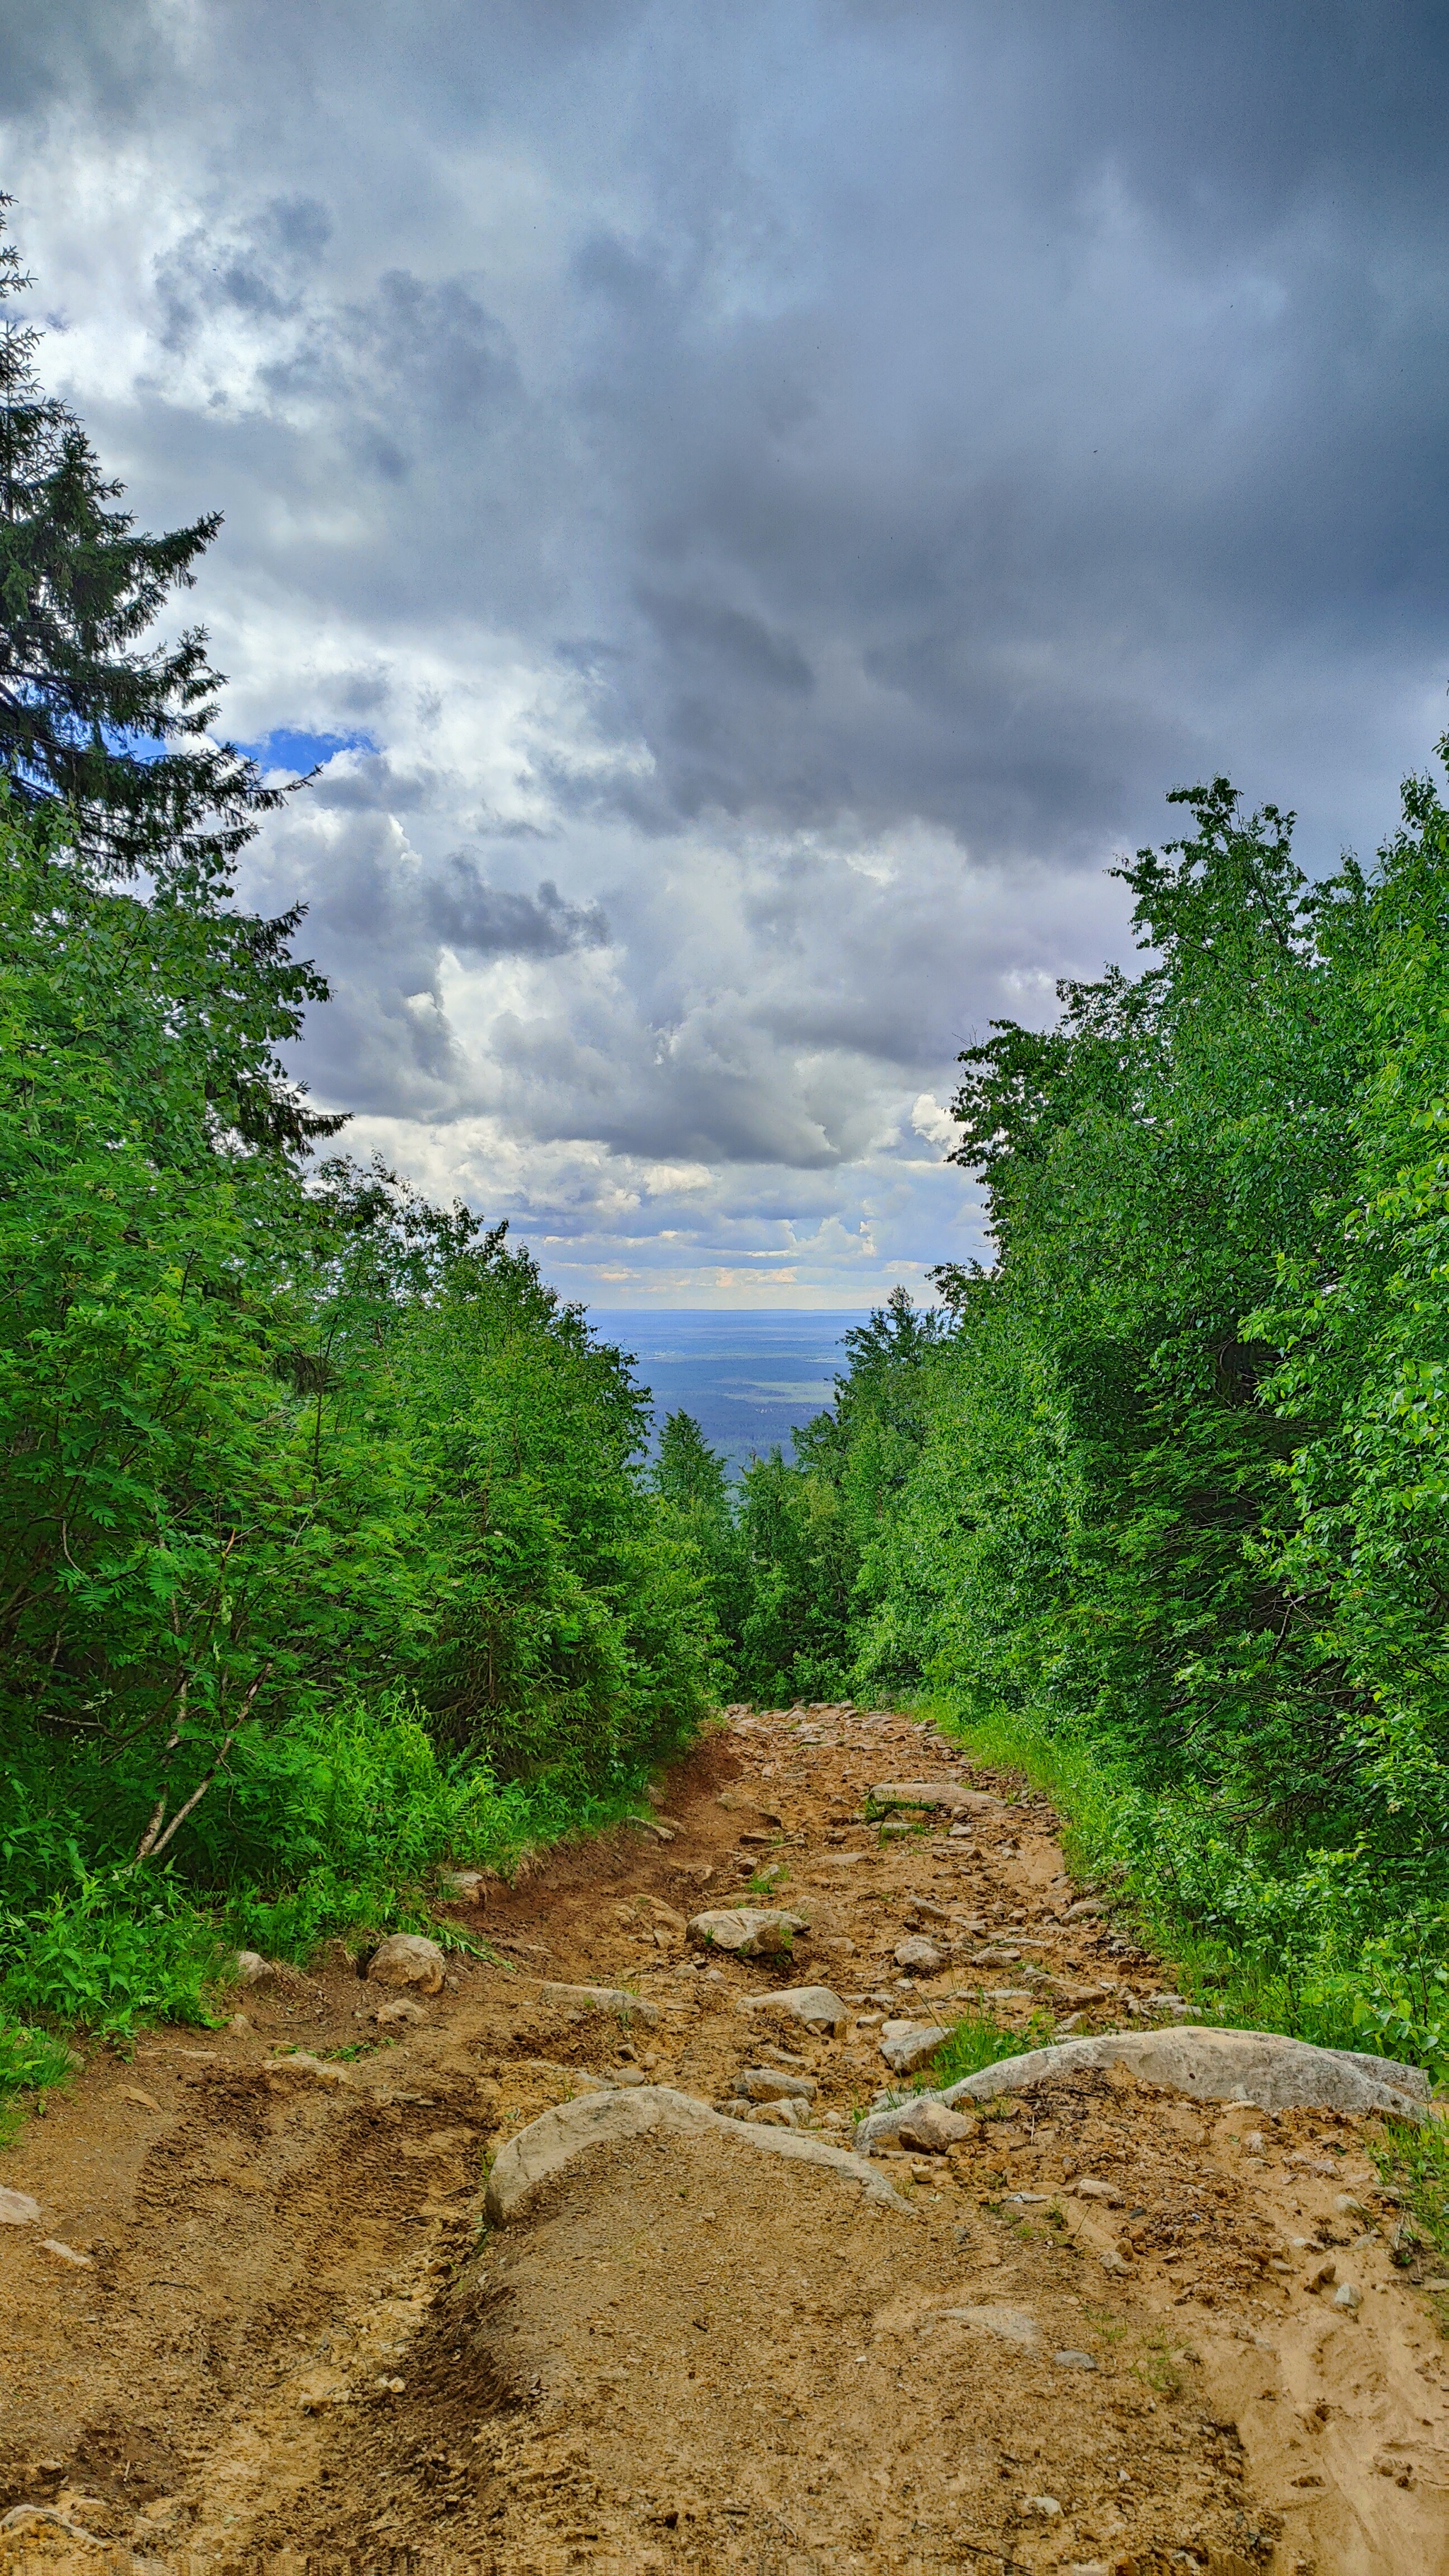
(753, 508)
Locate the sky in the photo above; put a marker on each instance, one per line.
(752, 509)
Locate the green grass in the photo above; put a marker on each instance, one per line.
(29, 2061)
(335, 1837)
(976, 2041)
(1384, 1996)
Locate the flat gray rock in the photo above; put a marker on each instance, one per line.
(554, 2141)
(1258, 2066)
(1009, 2325)
(815, 2006)
(611, 1999)
(17, 2209)
(907, 2045)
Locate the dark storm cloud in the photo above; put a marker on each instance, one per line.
(482, 920)
(824, 467)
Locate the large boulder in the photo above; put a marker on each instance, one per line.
(555, 2140)
(407, 1959)
(1257, 2066)
(748, 1931)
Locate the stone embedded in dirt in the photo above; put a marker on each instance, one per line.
(905, 2045)
(239, 2026)
(1046, 2508)
(1320, 2276)
(143, 2101)
(1011, 2325)
(1090, 2189)
(919, 1957)
(249, 1968)
(1084, 1908)
(1074, 2361)
(934, 1793)
(772, 2084)
(781, 2114)
(552, 2142)
(1257, 2066)
(610, 1999)
(407, 1959)
(739, 1802)
(934, 2128)
(1347, 2298)
(399, 2013)
(749, 1932)
(17, 2209)
(814, 2006)
(467, 1883)
(65, 2253)
(45, 2517)
(319, 2070)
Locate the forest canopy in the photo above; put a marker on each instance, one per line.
(1157, 1502)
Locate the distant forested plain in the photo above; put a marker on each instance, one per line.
(336, 1545)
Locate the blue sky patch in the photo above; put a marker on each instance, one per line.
(285, 749)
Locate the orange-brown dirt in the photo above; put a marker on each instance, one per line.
(291, 2343)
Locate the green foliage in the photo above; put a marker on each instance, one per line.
(1156, 1508)
(977, 2041)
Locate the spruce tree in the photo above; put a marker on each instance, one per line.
(112, 737)
(91, 716)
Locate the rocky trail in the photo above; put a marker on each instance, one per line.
(252, 2314)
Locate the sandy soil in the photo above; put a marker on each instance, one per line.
(290, 2344)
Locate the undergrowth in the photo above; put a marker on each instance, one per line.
(1291, 1956)
(336, 1833)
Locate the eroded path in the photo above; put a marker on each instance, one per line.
(287, 2345)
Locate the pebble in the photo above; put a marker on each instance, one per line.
(1319, 2275)
(249, 1967)
(1046, 2507)
(17, 2209)
(65, 2253)
(1074, 2360)
(1347, 2298)
(772, 2084)
(320, 2069)
(407, 1959)
(1090, 2189)
(919, 1957)
(399, 2013)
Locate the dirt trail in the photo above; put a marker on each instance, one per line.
(288, 2345)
